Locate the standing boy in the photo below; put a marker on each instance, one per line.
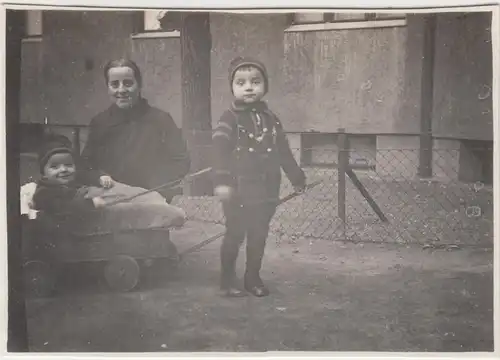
(250, 148)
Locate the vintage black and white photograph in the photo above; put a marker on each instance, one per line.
(278, 180)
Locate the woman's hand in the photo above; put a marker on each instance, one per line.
(106, 181)
(223, 192)
(99, 202)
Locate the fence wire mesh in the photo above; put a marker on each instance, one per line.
(442, 211)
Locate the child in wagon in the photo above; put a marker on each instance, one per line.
(70, 201)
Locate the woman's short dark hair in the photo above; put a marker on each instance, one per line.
(123, 63)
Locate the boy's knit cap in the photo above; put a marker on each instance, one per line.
(53, 144)
(240, 62)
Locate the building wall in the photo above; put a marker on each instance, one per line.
(76, 46)
(31, 82)
(350, 79)
(257, 35)
(363, 80)
(160, 63)
(318, 80)
(463, 77)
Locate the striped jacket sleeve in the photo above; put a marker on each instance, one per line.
(223, 144)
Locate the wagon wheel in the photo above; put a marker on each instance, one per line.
(161, 268)
(39, 278)
(122, 273)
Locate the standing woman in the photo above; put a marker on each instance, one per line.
(132, 142)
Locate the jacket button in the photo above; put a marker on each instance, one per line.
(250, 149)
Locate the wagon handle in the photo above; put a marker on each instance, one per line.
(167, 185)
(281, 201)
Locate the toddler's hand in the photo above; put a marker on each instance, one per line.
(224, 192)
(299, 189)
(99, 202)
(106, 181)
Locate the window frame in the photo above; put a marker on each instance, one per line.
(141, 30)
(369, 20)
(31, 16)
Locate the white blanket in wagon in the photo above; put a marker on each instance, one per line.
(148, 211)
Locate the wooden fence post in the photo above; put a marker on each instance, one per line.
(343, 163)
(427, 97)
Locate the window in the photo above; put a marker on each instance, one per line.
(153, 23)
(331, 17)
(318, 21)
(33, 23)
(320, 150)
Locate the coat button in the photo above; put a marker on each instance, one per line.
(269, 149)
(250, 149)
(250, 136)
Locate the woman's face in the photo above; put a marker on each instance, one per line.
(123, 87)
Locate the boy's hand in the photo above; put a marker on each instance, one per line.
(106, 181)
(99, 202)
(300, 186)
(224, 193)
(299, 189)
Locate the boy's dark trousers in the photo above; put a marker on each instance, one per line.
(253, 222)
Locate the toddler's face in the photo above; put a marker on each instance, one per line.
(248, 85)
(123, 87)
(60, 169)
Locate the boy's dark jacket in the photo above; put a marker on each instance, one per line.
(250, 148)
(64, 208)
(63, 200)
(139, 147)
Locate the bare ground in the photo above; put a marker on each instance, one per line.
(326, 296)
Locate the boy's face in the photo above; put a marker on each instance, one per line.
(60, 169)
(248, 85)
(123, 87)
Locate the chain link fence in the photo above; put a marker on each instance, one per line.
(382, 200)
(370, 196)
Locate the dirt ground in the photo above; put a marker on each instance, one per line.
(325, 296)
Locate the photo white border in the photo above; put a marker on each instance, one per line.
(422, 6)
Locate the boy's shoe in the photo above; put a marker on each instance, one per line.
(230, 287)
(234, 292)
(259, 291)
(256, 287)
